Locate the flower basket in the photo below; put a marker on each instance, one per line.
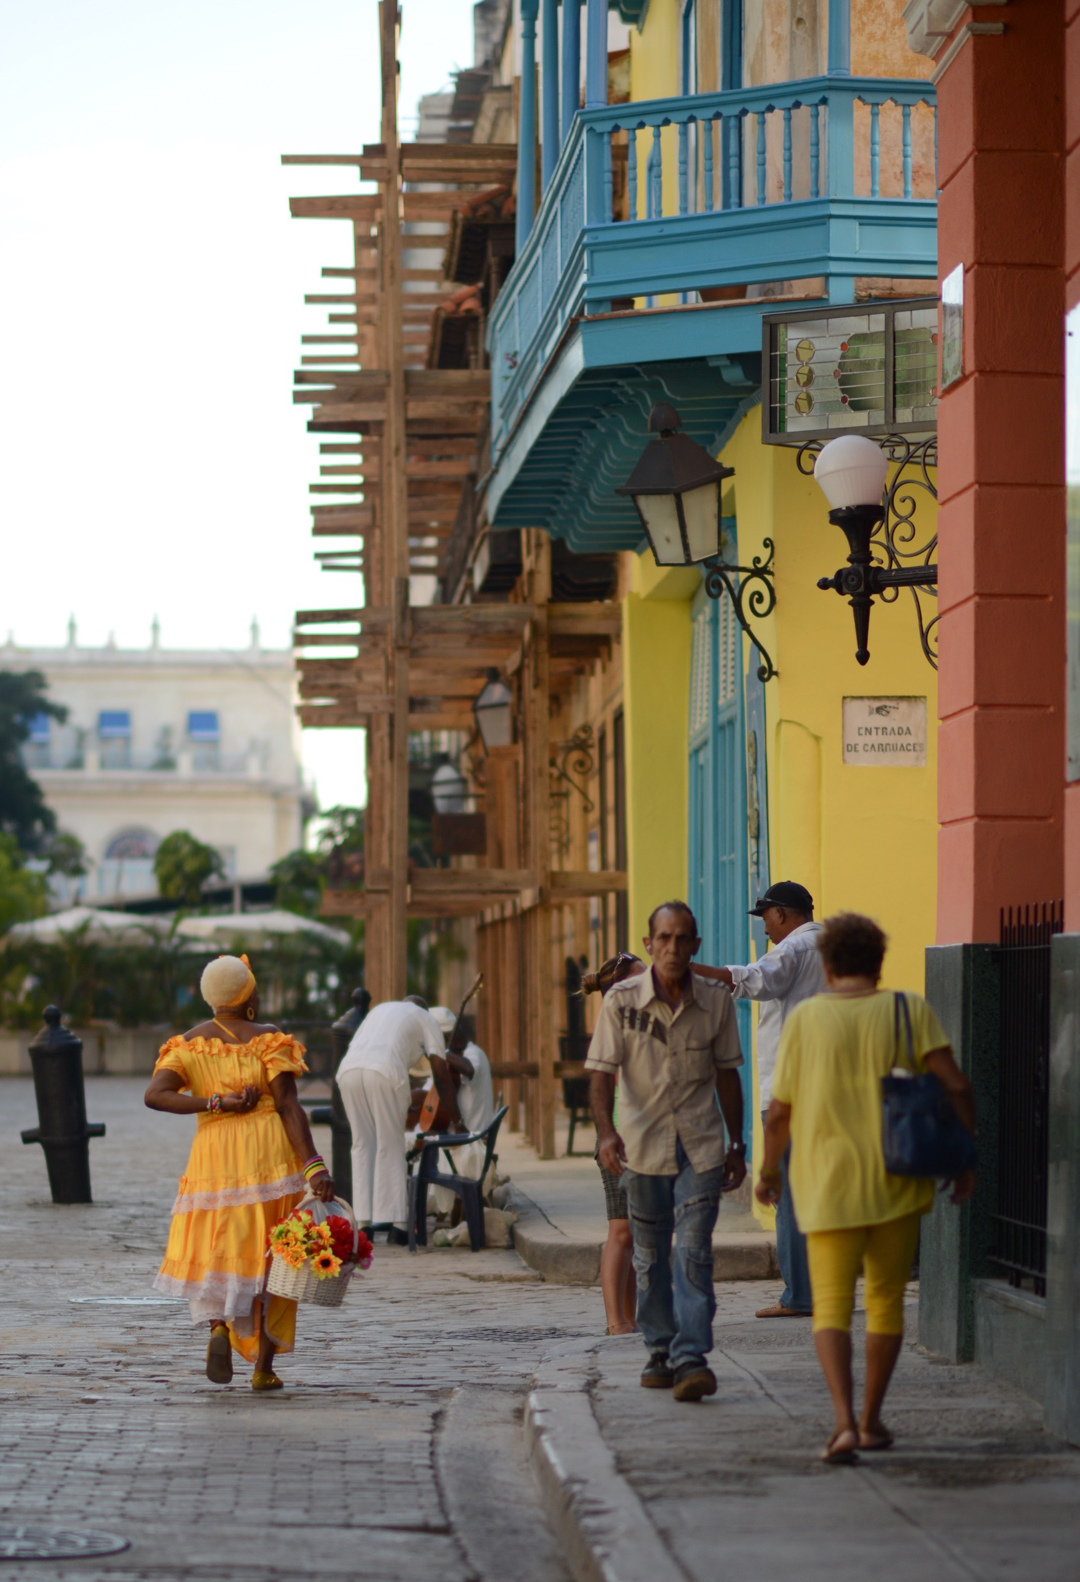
(315, 1252)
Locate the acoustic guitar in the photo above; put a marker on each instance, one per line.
(439, 1111)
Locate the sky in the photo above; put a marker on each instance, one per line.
(151, 308)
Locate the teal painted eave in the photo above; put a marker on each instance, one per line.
(587, 422)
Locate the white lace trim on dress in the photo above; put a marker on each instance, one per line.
(235, 1197)
(228, 1296)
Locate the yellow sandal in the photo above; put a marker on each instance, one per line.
(266, 1381)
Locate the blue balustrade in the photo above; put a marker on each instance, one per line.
(784, 181)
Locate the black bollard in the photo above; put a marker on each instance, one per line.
(63, 1130)
(341, 1033)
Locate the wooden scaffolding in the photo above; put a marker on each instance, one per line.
(414, 450)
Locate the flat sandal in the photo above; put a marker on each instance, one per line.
(219, 1356)
(837, 1455)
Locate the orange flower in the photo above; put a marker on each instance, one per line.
(326, 1265)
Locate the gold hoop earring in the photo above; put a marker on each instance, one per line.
(251, 1013)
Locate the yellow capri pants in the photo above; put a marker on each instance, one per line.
(883, 1252)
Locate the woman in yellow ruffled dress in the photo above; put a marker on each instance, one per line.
(251, 1162)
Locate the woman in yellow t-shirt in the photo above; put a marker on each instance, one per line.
(826, 1098)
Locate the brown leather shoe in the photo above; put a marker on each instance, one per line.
(694, 1380)
(776, 1311)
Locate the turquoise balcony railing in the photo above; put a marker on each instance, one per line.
(825, 177)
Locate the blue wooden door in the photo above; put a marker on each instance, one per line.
(718, 880)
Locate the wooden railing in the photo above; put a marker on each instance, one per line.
(825, 176)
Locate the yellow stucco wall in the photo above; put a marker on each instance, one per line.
(860, 838)
(654, 52)
(656, 703)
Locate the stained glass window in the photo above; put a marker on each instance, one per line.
(869, 369)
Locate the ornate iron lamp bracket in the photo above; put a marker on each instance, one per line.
(885, 552)
(575, 758)
(754, 588)
(569, 771)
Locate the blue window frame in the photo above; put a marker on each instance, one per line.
(114, 724)
(202, 725)
(718, 855)
(689, 72)
(40, 727)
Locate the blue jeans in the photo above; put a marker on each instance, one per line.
(675, 1315)
(791, 1248)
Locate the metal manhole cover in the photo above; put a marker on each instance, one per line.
(61, 1543)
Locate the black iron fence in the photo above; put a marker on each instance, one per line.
(1018, 1244)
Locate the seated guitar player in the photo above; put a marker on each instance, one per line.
(473, 1107)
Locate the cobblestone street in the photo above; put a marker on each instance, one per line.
(398, 1452)
(108, 1423)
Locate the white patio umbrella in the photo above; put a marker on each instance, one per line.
(254, 928)
(101, 926)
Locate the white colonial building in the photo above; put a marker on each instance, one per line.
(160, 739)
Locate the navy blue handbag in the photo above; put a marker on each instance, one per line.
(921, 1133)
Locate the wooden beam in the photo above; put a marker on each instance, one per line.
(356, 384)
(426, 206)
(395, 500)
(568, 885)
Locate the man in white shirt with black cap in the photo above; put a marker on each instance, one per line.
(785, 976)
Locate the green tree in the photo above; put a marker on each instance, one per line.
(300, 878)
(66, 854)
(23, 813)
(183, 865)
(23, 894)
(341, 829)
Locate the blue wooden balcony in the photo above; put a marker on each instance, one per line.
(815, 182)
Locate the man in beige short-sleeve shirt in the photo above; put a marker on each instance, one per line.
(671, 1038)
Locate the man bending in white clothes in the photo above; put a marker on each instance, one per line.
(374, 1083)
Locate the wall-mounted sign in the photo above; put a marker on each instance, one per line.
(1072, 556)
(885, 732)
(952, 327)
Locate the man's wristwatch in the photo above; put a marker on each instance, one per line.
(736, 1148)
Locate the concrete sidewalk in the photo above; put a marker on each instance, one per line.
(646, 1489)
(563, 1224)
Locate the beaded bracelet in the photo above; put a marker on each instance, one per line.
(213, 1104)
(315, 1165)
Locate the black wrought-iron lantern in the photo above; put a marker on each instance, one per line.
(852, 471)
(494, 712)
(676, 489)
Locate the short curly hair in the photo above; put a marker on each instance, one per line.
(852, 946)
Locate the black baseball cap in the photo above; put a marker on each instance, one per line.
(794, 896)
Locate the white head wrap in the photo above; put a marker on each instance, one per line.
(227, 981)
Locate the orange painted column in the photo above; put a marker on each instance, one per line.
(1001, 475)
(1072, 298)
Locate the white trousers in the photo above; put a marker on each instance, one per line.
(377, 1111)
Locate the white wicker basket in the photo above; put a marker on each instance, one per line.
(303, 1285)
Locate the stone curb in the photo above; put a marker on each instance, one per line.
(562, 1259)
(605, 1532)
(565, 1260)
